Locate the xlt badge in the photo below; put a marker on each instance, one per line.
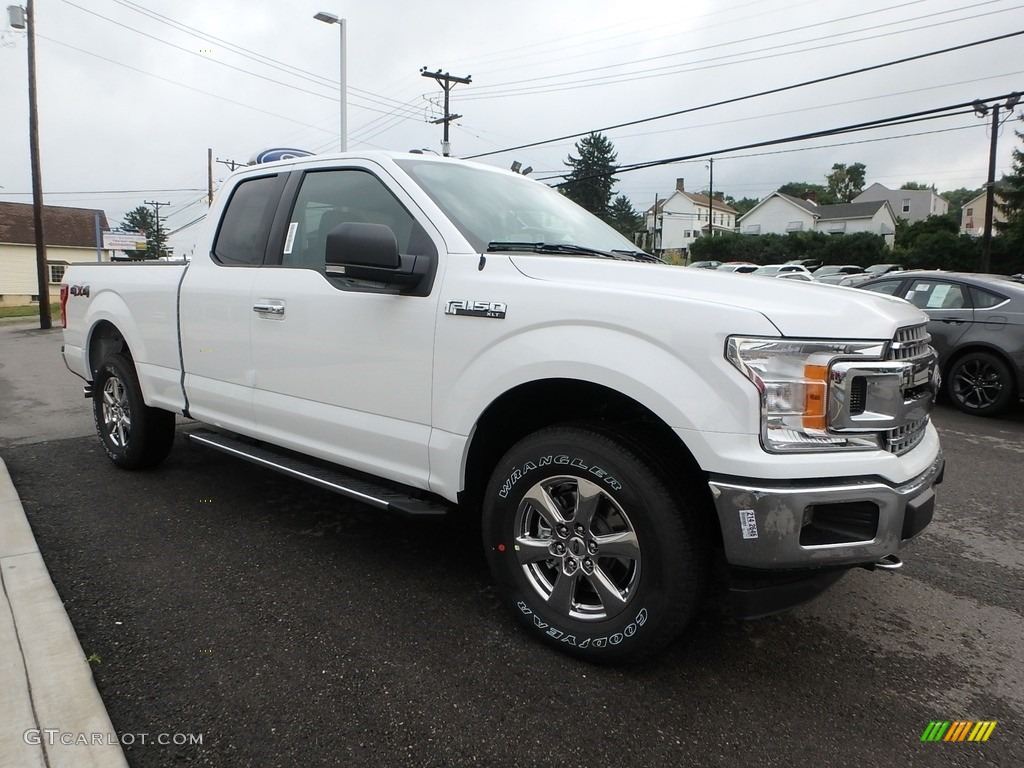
(476, 308)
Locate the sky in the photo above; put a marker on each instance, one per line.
(133, 93)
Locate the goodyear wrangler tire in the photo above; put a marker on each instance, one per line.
(134, 435)
(592, 551)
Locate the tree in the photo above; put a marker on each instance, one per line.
(592, 178)
(1010, 194)
(846, 182)
(803, 190)
(956, 199)
(142, 219)
(743, 205)
(916, 185)
(624, 217)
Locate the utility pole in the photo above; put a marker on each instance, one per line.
(711, 196)
(447, 82)
(230, 164)
(990, 185)
(156, 213)
(209, 176)
(42, 269)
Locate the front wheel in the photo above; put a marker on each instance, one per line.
(593, 552)
(134, 435)
(980, 383)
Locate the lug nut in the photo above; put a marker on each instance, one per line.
(592, 547)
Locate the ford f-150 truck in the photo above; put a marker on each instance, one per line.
(426, 334)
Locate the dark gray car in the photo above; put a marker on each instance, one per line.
(977, 326)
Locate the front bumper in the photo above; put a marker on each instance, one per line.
(786, 525)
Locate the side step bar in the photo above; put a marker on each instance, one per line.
(331, 479)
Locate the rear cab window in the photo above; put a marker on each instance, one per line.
(245, 225)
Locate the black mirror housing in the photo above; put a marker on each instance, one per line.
(364, 245)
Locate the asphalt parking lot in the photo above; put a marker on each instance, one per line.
(287, 626)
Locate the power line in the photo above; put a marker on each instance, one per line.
(769, 92)
(908, 118)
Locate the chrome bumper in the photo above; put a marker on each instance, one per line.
(852, 521)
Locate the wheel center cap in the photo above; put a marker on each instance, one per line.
(577, 547)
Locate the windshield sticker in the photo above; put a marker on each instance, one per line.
(289, 241)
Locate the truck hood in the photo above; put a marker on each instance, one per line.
(795, 308)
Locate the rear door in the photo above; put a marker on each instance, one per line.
(948, 306)
(216, 307)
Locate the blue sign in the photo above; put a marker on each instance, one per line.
(278, 153)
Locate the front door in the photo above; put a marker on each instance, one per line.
(343, 370)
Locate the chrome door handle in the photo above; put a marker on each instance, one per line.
(269, 308)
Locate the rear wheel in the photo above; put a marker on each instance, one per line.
(134, 435)
(980, 383)
(592, 551)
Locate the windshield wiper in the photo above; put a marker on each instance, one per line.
(642, 256)
(568, 248)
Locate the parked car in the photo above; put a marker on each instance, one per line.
(837, 269)
(875, 270)
(798, 276)
(977, 327)
(737, 266)
(771, 270)
(705, 264)
(809, 264)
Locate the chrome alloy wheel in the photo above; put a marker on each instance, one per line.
(976, 383)
(117, 414)
(577, 548)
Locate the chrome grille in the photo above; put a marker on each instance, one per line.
(910, 343)
(905, 438)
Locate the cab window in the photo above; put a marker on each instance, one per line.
(245, 225)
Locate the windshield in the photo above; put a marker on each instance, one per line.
(491, 207)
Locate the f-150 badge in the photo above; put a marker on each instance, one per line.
(494, 309)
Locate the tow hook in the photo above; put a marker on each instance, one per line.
(887, 563)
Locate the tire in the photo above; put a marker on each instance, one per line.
(981, 384)
(593, 553)
(134, 435)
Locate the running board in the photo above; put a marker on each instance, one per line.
(331, 479)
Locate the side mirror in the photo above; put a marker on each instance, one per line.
(364, 251)
(364, 245)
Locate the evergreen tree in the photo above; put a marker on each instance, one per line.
(1010, 199)
(592, 178)
(624, 217)
(142, 219)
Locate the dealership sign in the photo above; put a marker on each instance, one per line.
(124, 241)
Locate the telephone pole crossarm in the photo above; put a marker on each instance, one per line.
(447, 81)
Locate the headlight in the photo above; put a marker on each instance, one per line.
(792, 376)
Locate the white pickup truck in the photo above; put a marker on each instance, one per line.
(425, 334)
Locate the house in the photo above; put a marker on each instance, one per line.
(70, 236)
(682, 217)
(910, 204)
(782, 214)
(972, 215)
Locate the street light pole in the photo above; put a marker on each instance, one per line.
(330, 18)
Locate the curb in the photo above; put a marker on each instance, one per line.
(53, 714)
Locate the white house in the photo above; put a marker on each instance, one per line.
(910, 204)
(682, 217)
(972, 215)
(781, 214)
(70, 236)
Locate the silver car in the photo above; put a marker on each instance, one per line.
(977, 326)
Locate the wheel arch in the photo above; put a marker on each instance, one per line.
(105, 339)
(534, 405)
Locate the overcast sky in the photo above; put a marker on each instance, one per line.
(132, 93)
